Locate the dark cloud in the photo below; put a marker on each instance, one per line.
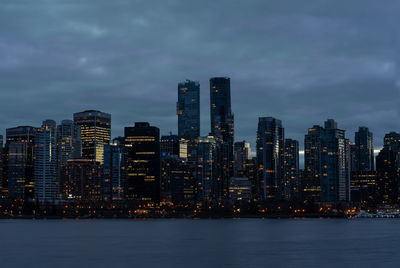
(300, 61)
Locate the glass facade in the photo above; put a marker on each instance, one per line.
(222, 129)
(95, 133)
(270, 157)
(142, 163)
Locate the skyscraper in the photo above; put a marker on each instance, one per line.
(81, 181)
(206, 177)
(222, 129)
(310, 179)
(291, 169)
(327, 164)
(20, 162)
(388, 170)
(95, 133)
(68, 142)
(3, 185)
(335, 160)
(364, 150)
(142, 163)
(242, 152)
(169, 145)
(45, 164)
(188, 110)
(114, 173)
(270, 157)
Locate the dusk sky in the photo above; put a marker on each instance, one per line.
(299, 61)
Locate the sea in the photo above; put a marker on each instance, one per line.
(200, 243)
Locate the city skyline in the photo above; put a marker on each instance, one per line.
(128, 65)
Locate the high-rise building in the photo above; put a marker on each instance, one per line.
(20, 146)
(142, 163)
(335, 160)
(388, 170)
(270, 157)
(114, 173)
(364, 150)
(327, 164)
(3, 184)
(95, 133)
(240, 190)
(188, 110)
(81, 181)
(291, 169)
(46, 187)
(169, 145)
(242, 153)
(68, 142)
(206, 177)
(222, 129)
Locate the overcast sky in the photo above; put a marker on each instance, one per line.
(299, 61)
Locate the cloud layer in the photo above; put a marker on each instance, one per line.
(299, 61)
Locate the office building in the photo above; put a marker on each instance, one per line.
(222, 129)
(45, 163)
(95, 133)
(206, 176)
(20, 144)
(242, 153)
(114, 173)
(270, 158)
(142, 163)
(240, 190)
(291, 170)
(364, 150)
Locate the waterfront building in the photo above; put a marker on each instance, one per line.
(291, 170)
(364, 150)
(169, 145)
(242, 153)
(3, 182)
(20, 144)
(45, 163)
(95, 133)
(142, 163)
(81, 181)
(240, 190)
(114, 173)
(270, 158)
(222, 129)
(388, 170)
(68, 144)
(206, 177)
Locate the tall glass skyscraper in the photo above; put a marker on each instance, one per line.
(206, 179)
(335, 159)
(20, 162)
(291, 169)
(364, 150)
(46, 187)
(242, 153)
(142, 163)
(222, 129)
(95, 133)
(188, 110)
(270, 157)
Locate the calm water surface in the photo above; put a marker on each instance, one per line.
(200, 243)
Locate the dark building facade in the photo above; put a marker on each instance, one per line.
(95, 129)
(327, 164)
(270, 158)
(81, 181)
(20, 146)
(169, 145)
(388, 170)
(206, 174)
(242, 153)
(291, 170)
(142, 163)
(45, 163)
(114, 173)
(222, 129)
(364, 150)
